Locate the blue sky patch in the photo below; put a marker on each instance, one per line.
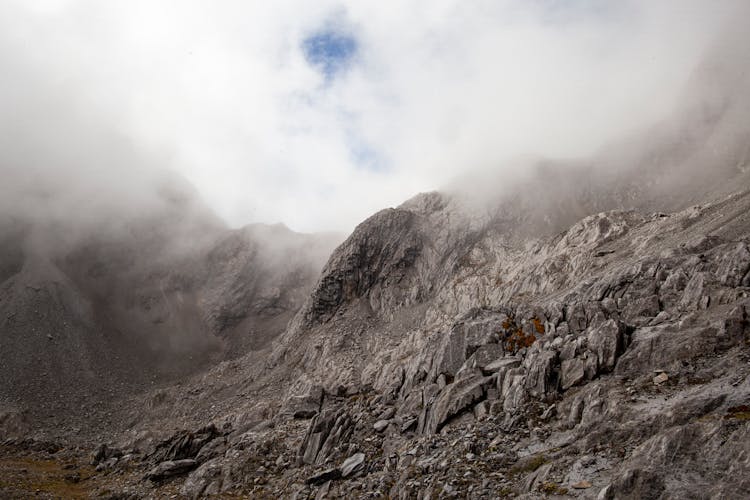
(329, 51)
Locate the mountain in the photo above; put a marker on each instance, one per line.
(579, 330)
(140, 302)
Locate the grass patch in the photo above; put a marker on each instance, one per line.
(529, 465)
(27, 476)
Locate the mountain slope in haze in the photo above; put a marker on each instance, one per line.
(90, 316)
(581, 331)
(609, 360)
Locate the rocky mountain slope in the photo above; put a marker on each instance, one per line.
(580, 331)
(608, 361)
(89, 320)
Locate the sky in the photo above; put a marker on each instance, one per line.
(317, 114)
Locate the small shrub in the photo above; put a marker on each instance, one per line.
(538, 325)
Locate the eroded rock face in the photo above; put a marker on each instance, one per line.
(377, 263)
(441, 354)
(327, 430)
(566, 343)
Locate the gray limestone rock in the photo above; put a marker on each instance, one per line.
(326, 430)
(353, 465)
(171, 468)
(572, 372)
(502, 364)
(607, 342)
(454, 399)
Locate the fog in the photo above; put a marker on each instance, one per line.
(104, 105)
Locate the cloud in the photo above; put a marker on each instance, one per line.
(319, 113)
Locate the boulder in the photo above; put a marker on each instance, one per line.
(306, 405)
(353, 465)
(607, 341)
(487, 354)
(104, 453)
(691, 297)
(324, 476)
(541, 373)
(451, 352)
(454, 399)
(571, 372)
(171, 468)
(184, 444)
(381, 425)
(205, 480)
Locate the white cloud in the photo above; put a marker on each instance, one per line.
(437, 87)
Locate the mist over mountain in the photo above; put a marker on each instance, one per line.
(566, 315)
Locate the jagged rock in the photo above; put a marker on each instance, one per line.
(171, 468)
(409, 424)
(645, 307)
(107, 464)
(734, 265)
(324, 476)
(481, 410)
(733, 329)
(607, 342)
(353, 465)
(570, 348)
(451, 353)
(660, 346)
(306, 405)
(501, 364)
(571, 373)
(513, 389)
(541, 375)
(212, 449)
(323, 490)
(103, 453)
(326, 431)
(486, 355)
(184, 444)
(536, 477)
(693, 293)
(208, 479)
(380, 252)
(454, 399)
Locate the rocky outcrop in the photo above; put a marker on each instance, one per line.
(377, 263)
(184, 444)
(171, 468)
(327, 430)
